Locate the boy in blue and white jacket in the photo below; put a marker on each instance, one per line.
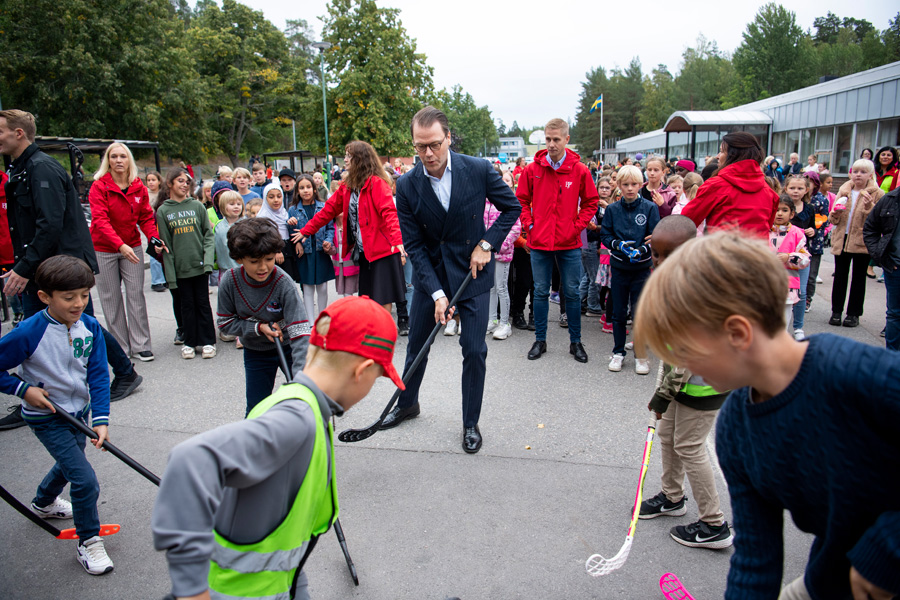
(61, 355)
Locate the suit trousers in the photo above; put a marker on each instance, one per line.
(473, 314)
(132, 334)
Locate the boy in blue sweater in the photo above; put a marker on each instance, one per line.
(625, 230)
(61, 355)
(810, 427)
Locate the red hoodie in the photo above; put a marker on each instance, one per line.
(556, 204)
(736, 197)
(115, 217)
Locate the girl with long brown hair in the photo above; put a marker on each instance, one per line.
(370, 225)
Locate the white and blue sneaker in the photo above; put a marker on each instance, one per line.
(58, 509)
(92, 555)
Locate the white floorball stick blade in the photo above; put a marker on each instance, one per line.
(598, 566)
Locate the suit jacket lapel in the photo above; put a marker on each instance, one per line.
(458, 190)
(427, 196)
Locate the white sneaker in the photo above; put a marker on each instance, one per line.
(92, 555)
(58, 509)
(629, 345)
(492, 325)
(451, 327)
(819, 279)
(503, 331)
(615, 363)
(642, 366)
(226, 338)
(209, 352)
(187, 352)
(799, 335)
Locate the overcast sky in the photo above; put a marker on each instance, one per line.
(526, 59)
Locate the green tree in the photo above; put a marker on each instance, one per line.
(472, 124)
(659, 99)
(586, 135)
(111, 69)
(381, 79)
(248, 74)
(705, 78)
(774, 57)
(891, 39)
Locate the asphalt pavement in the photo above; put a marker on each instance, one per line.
(553, 484)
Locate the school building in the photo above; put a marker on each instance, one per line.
(834, 121)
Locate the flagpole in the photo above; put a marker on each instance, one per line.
(601, 129)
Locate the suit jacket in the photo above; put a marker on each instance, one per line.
(439, 242)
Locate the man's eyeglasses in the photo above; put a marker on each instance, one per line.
(422, 148)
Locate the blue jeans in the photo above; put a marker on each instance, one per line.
(569, 263)
(892, 327)
(66, 445)
(407, 274)
(800, 307)
(157, 277)
(115, 356)
(588, 288)
(260, 368)
(625, 289)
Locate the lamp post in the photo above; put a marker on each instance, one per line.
(322, 47)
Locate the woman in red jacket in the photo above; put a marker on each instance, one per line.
(737, 195)
(371, 228)
(120, 204)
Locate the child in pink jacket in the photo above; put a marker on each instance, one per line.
(501, 327)
(346, 272)
(789, 244)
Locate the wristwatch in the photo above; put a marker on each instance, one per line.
(485, 246)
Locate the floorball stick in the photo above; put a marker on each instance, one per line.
(338, 530)
(672, 589)
(596, 565)
(357, 435)
(65, 534)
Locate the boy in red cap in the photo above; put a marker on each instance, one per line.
(240, 507)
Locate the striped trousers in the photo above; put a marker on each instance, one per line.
(132, 334)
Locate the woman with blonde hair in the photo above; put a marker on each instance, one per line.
(370, 225)
(120, 210)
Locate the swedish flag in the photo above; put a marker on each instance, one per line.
(597, 103)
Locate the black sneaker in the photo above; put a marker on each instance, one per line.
(518, 321)
(851, 321)
(835, 319)
(13, 419)
(531, 326)
(179, 338)
(403, 326)
(703, 535)
(144, 356)
(17, 318)
(159, 287)
(659, 506)
(123, 386)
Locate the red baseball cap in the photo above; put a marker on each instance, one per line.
(361, 326)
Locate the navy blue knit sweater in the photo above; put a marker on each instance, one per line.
(826, 449)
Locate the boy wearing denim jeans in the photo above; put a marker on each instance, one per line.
(260, 303)
(61, 355)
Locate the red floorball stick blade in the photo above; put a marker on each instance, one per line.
(672, 589)
(69, 534)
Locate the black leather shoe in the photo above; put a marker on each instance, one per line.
(471, 440)
(835, 319)
(851, 321)
(403, 326)
(537, 349)
(518, 321)
(398, 415)
(577, 350)
(531, 326)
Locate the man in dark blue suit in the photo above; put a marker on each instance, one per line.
(440, 204)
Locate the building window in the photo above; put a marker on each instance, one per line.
(807, 144)
(779, 141)
(844, 149)
(793, 142)
(824, 146)
(888, 134)
(865, 137)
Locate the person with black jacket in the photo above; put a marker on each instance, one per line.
(882, 238)
(46, 219)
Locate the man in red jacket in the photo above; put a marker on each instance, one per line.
(558, 200)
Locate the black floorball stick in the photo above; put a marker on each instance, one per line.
(65, 534)
(357, 435)
(107, 445)
(338, 530)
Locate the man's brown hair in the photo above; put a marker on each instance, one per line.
(426, 117)
(557, 124)
(19, 119)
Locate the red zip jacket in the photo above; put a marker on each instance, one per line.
(115, 217)
(556, 205)
(7, 256)
(737, 197)
(378, 222)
